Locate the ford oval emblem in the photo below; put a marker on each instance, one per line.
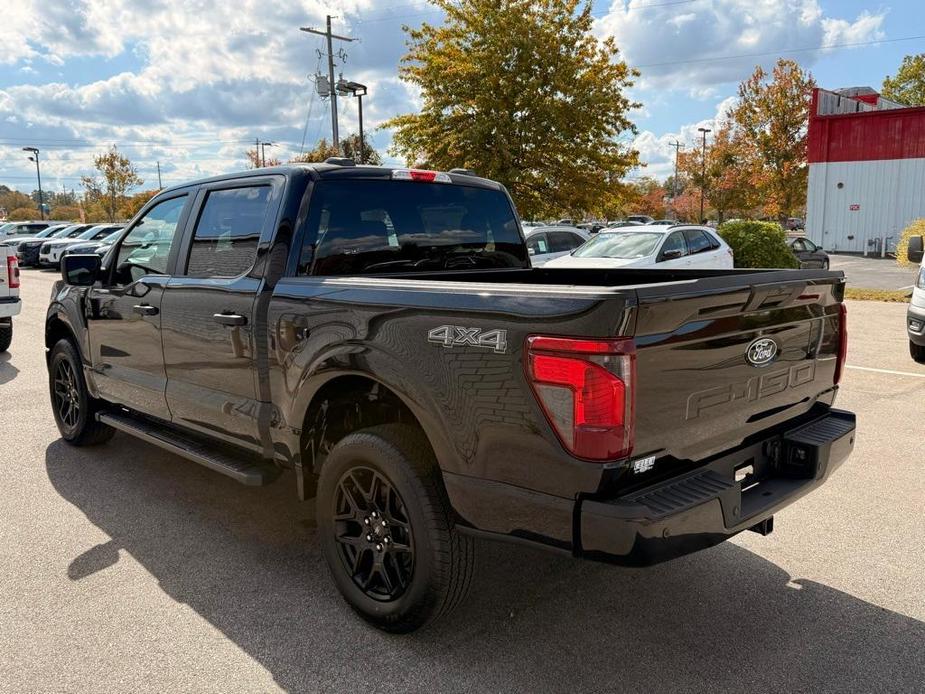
(761, 352)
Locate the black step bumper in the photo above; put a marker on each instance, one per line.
(707, 505)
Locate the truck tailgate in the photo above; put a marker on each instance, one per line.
(728, 357)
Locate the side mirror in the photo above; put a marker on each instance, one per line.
(80, 270)
(914, 251)
(672, 253)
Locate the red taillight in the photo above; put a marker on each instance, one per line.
(12, 271)
(585, 388)
(842, 342)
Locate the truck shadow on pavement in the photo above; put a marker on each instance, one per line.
(7, 371)
(247, 560)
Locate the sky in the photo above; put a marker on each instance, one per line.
(191, 83)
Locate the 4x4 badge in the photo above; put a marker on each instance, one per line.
(761, 352)
(457, 336)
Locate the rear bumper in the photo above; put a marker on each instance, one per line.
(28, 256)
(708, 505)
(668, 519)
(10, 307)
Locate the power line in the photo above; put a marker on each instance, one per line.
(782, 50)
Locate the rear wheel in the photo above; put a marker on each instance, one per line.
(6, 336)
(386, 529)
(917, 352)
(73, 406)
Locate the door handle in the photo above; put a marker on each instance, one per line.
(229, 319)
(145, 310)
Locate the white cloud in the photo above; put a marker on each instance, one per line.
(689, 49)
(657, 152)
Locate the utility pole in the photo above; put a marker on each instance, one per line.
(330, 37)
(703, 168)
(160, 185)
(674, 184)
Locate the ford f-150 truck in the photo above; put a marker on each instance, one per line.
(10, 303)
(381, 333)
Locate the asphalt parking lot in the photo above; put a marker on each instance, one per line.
(123, 568)
(873, 273)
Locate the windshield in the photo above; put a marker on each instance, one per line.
(623, 244)
(357, 227)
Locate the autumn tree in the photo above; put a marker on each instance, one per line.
(133, 204)
(772, 114)
(648, 197)
(908, 85)
(725, 174)
(118, 174)
(255, 159)
(523, 92)
(349, 147)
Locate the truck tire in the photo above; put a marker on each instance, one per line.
(6, 336)
(387, 531)
(73, 406)
(917, 352)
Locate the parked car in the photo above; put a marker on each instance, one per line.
(22, 229)
(915, 315)
(51, 251)
(621, 224)
(661, 247)
(808, 253)
(34, 246)
(546, 243)
(664, 222)
(591, 227)
(399, 354)
(99, 247)
(641, 218)
(10, 303)
(794, 223)
(27, 251)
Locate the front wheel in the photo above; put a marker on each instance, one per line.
(73, 406)
(6, 336)
(387, 531)
(917, 352)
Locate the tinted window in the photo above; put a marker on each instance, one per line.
(538, 244)
(563, 241)
(357, 227)
(226, 236)
(620, 244)
(798, 245)
(697, 241)
(810, 246)
(675, 242)
(146, 248)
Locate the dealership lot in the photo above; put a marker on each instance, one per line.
(125, 568)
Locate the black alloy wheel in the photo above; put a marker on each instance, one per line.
(373, 532)
(65, 396)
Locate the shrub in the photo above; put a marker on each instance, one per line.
(915, 228)
(24, 213)
(758, 244)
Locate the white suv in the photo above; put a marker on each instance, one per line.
(915, 317)
(10, 304)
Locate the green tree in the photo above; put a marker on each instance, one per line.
(772, 115)
(758, 244)
(908, 85)
(119, 175)
(521, 91)
(726, 176)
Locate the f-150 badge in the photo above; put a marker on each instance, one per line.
(458, 336)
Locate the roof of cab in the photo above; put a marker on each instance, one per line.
(324, 170)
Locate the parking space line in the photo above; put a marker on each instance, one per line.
(886, 371)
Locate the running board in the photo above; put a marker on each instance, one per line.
(238, 467)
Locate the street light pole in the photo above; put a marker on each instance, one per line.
(359, 91)
(38, 173)
(703, 168)
(263, 151)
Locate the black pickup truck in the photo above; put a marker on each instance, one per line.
(381, 334)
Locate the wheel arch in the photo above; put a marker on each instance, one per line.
(342, 402)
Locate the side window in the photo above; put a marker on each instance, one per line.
(697, 241)
(227, 233)
(798, 245)
(810, 246)
(674, 247)
(563, 241)
(144, 251)
(538, 244)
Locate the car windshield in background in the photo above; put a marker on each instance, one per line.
(396, 226)
(622, 244)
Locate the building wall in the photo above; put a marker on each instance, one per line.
(887, 195)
